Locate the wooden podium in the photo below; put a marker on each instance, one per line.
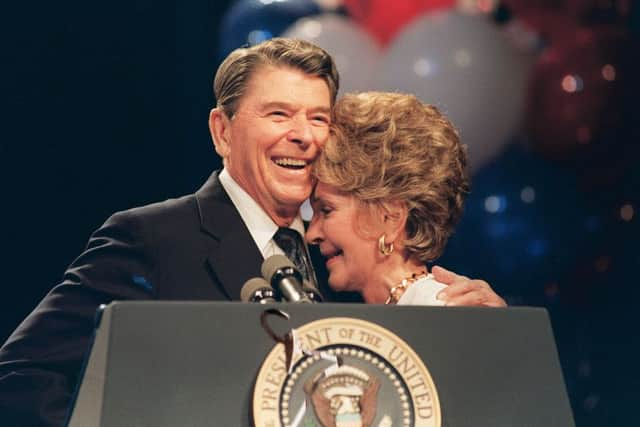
(196, 363)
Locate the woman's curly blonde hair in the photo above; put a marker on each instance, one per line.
(390, 147)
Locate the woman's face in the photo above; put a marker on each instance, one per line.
(350, 256)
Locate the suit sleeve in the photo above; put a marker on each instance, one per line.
(41, 361)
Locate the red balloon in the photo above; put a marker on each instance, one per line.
(546, 15)
(522, 8)
(576, 91)
(383, 19)
(598, 9)
(552, 27)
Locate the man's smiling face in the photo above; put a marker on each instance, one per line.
(281, 123)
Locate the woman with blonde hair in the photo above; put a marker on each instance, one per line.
(391, 187)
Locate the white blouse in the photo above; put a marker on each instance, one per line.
(422, 292)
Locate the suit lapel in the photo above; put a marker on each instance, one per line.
(234, 257)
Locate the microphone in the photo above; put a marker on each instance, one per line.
(257, 290)
(312, 292)
(284, 278)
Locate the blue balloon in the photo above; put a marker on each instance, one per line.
(249, 22)
(524, 226)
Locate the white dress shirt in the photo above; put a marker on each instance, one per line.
(260, 225)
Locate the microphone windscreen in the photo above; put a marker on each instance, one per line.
(312, 291)
(273, 264)
(251, 286)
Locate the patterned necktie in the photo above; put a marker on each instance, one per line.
(290, 241)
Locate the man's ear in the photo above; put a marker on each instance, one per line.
(395, 220)
(220, 128)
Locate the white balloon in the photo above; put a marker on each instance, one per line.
(469, 69)
(355, 53)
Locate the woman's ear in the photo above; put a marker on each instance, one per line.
(220, 128)
(394, 221)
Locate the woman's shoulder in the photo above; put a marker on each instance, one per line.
(423, 292)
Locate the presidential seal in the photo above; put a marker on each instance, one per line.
(344, 372)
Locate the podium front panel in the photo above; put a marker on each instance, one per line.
(195, 363)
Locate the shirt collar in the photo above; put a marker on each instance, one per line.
(260, 225)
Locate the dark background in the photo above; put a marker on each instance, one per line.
(105, 107)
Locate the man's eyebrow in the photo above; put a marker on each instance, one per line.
(288, 106)
(325, 110)
(276, 104)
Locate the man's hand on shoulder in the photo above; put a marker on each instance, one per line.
(462, 291)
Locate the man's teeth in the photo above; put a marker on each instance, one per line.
(290, 162)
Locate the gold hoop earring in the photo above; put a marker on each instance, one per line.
(383, 248)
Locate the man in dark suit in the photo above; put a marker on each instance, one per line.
(272, 118)
(273, 112)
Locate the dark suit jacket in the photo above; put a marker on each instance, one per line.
(192, 248)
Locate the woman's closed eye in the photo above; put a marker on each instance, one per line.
(325, 210)
(321, 209)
